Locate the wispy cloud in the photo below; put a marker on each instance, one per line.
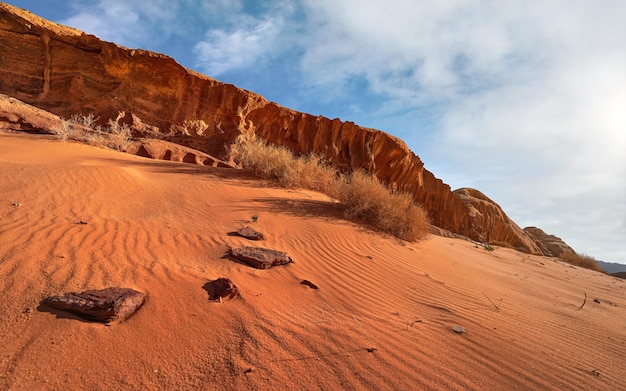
(529, 100)
(240, 47)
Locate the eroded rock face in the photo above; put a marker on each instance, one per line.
(165, 150)
(105, 305)
(490, 224)
(550, 245)
(66, 72)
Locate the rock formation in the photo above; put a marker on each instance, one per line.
(489, 223)
(549, 245)
(65, 71)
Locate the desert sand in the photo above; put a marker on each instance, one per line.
(382, 318)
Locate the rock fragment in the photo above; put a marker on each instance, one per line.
(309, 284)
(221, 289)
(104, 305)
(250, 233)
(260, 258)
(458, 329)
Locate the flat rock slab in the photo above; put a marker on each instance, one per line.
(103, 305)
(260, 258)
(221, 289)
(250, 233)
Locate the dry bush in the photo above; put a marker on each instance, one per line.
(63, 131)
(119, 136)
(311, 172)
(279, 163)
(581, 260)
(87, 120)
(361, 195)
(266, 160)
(83, 128)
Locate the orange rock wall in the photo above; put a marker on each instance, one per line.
(66, 72)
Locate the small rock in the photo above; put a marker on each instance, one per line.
(221, 289)
(250, 233)
(260, 258)
(82, 222)
(309, 284)
(595, 373)
(249, 370)
(16, 204)
(26, 311)
(371, 350)
(458, 329)
(596, 300)
(104, 305)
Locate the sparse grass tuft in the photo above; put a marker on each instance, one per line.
(582, 260)
(84, 128)
(361, 195)
(487, 247)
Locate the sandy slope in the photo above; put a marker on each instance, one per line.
(161, 227)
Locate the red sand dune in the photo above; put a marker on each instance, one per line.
(161, 227)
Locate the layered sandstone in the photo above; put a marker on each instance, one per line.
(19, 116)
(485, 218)
(65, 72)
(549, 245)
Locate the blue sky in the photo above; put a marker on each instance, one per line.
(525, 101)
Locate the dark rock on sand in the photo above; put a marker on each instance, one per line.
(221, 289)
(260, 258)
(250, 233)
(309, 284)
(104, 305)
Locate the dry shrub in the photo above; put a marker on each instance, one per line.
(581, 260)
(266, 160)
(83, 128)
(361, 195)
(119, 136)
(364, 197)
(311, 172)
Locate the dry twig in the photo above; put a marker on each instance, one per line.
(492, 303)
(583, 304)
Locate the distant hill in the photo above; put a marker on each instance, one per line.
(611, 267)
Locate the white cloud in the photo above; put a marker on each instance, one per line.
(531, 97)
(245, 41)
(222, 51)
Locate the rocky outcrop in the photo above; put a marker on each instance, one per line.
(65, 72)
(18, 116)
(490, 224)
(104, 305)
(549, 245)
(165, 150)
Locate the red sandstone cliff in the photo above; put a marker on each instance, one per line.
(65, 71)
